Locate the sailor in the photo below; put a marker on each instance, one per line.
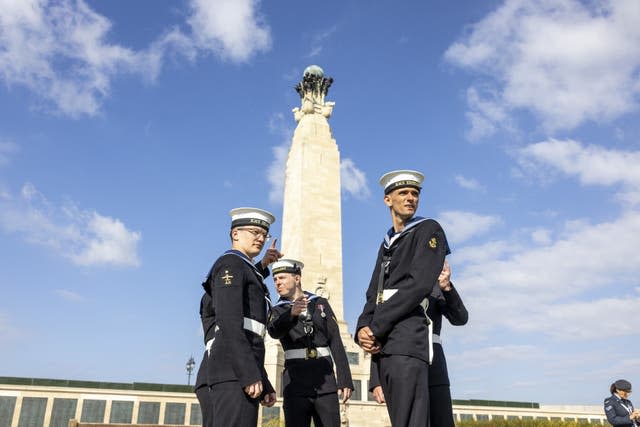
(201, 387)
(443, 301)
(618, 407)
(308, 331)
(239, 302)
(393, 324)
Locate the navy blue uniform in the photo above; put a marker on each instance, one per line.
(202, 386)
(447, 304)
(618, 411)
(239, 301)
(309, 385)
(399, 323)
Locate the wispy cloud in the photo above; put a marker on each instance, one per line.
(68, 295)
(85, 237)
(461, 226)
(60, 50)
(567, 62)
(469, 183)
(276, 171)
(353, 180)
(7, 148)
(592, 165)
(319, 39)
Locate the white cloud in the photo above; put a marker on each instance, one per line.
(353, 180)
(592, 165)
(84, 237)
(545, 290)
(276, 171)
(469, 183)
(567, 62)
(60, 51)
(68, 295)
(461, 226)
(232, 29)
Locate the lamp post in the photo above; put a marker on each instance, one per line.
(191, 364)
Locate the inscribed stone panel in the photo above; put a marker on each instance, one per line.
(149, 413)
(174, 413)
(121, 412)
(196, 415)
(32, 412)
(63, 410)
(92, 411)
(7, 406)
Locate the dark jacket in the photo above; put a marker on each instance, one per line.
(447, 304)
(237, 290)
(417, 257)
(310, 377)
(616, 411)
(208, 324)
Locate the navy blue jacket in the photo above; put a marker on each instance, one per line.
(617, 414)
(417, 257)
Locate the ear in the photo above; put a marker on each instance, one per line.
(387, 200)
(234, 234)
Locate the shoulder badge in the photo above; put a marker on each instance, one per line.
(227, 277)
(433, 243)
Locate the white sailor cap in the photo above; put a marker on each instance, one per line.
(287, 266)
(251, 216)
(401, 178)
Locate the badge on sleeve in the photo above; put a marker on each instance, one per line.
(433, 242)
(227, 277)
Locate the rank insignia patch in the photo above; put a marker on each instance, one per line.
(227, 277)
(433, 243)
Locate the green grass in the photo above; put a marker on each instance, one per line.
(521, 423)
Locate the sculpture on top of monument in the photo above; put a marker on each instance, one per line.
(312, 89)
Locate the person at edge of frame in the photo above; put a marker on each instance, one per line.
(308, 331)
(201, 387)
(444, 300)
(240, 301)
(393, 324)
(618, 408)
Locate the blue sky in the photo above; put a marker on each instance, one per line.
(128, 130)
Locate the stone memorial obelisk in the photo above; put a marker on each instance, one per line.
(312, 233)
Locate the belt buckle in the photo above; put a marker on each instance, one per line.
(312, 353)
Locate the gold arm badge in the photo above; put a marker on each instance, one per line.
(227, 277)
(433, 243)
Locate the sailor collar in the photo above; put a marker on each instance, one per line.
(392, 236)
(246, 259)
(284, 301)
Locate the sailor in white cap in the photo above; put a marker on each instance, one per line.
(239, 304)
(393, 326)
(308, 331)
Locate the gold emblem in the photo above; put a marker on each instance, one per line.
(227, 277)
(380, 298)
(312, 353)
(433, 243)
